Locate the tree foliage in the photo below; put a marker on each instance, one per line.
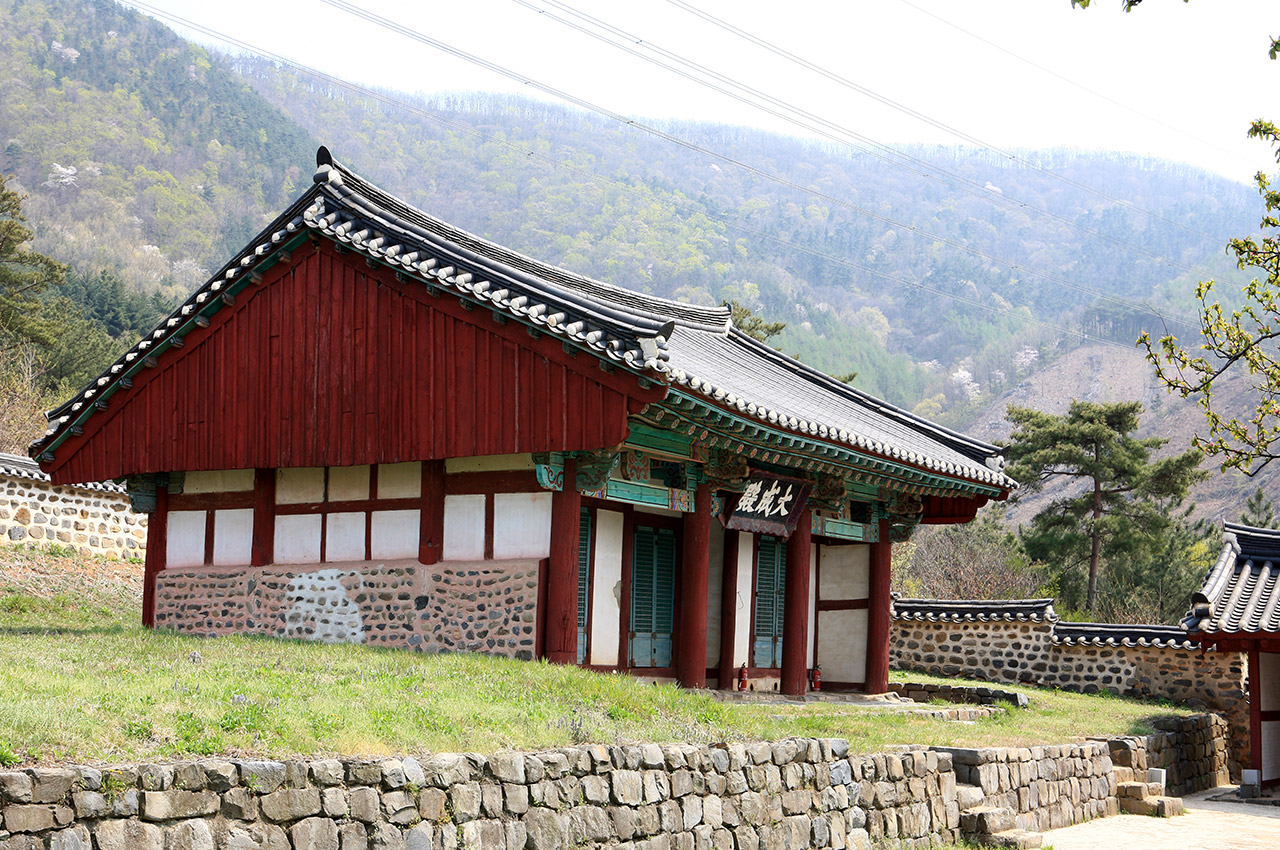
(24, 276)
(752, 325)
(1113, 509)
(1259, 511)
(982, 559)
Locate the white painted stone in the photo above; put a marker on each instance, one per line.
(348, 483)
(344, 537)
(299, 486)
(233, 537)
(399, 480)
(218, 481)
(605, 593)
(297, 539)
(395, 534)
(320, 609)
(746, 582)
(488, 463)
(185, 539)
(463, 528)
(521, 525)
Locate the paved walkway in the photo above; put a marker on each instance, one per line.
(1207, 825)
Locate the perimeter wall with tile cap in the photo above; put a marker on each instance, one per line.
(1024, 642)
(93, 519)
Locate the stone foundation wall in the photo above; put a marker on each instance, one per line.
(1026, 653)
(474, 606)
(795, 794)
(92, 521)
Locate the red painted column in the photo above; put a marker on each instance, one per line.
(691, 646)
(157, 546)
(1255, 709)
(562, 571)
(728, 611)
(264, 517)
(431, 520)
(795, 611)
(878, 613)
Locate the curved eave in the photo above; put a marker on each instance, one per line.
(836, 448)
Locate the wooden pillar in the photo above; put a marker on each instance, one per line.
(878, 613)
(264, 517)
(431, 522)
(157, 550)
(795, 611)
(562, 570)
(1255, 709)
(691, 646)
(728, 611)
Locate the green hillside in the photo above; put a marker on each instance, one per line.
(152, 159)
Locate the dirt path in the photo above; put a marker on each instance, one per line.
(1207, 825)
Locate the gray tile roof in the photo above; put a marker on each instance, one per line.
(1242, 591)
(693, 347)
(1121, 634)
(974, 610)
(17, 466)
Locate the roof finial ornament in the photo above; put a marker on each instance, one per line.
(323, 156)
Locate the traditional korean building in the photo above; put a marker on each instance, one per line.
(372, 426)
(1238, 610)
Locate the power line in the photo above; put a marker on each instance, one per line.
(920, 116)
(415, 35)
(1066, 79)
(534, 154)
(886, 153)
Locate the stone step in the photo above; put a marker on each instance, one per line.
(1133, 790)
(1123, 774)
(1160, 807)
(1018, 838)
(969, 796)
(986, 820)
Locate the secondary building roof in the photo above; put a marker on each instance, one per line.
(1242, 592)
(694, 348)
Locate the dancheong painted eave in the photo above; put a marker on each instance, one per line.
(656, 340)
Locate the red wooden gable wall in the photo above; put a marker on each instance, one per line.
(329, 362)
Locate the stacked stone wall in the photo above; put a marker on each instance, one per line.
(1026, 653)
(480, 606)
(797, 793)
(91, 521)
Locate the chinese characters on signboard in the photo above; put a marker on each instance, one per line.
(770, 504)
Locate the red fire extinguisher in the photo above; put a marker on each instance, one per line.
(817, 677)
(742, 678)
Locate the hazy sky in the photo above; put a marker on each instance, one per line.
(1186, 79)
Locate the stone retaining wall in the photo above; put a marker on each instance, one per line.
(1026, 653)
(792, 794)
(92, 520)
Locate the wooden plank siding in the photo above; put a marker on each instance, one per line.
(331, 363)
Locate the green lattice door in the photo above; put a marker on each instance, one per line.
(653, 582)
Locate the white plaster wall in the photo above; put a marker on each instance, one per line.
(1271, 749)
(606, 592)
(521, 525)
(842, 645)
(296, 486)
(813, 604)
(463, 528)
(297, 540)
(394, 534)
(649, 509)
(1269, 681)
(846, 572)
(715, 580)
(746, 581)
(233, 537)
(185, 539)
(488, 463)
(399, 480)
(343, 537)
(218, 481)
(348, 483)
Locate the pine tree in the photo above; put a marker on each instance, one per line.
(1259, 511)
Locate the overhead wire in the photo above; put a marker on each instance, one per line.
(688, 144)
(920, 116)
(433, 116)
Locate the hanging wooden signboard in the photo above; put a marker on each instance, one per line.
(770, 504)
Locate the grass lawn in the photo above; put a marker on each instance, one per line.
(82, 681)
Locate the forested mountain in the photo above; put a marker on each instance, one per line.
(942, 282)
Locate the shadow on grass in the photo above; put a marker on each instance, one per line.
(114, 629)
